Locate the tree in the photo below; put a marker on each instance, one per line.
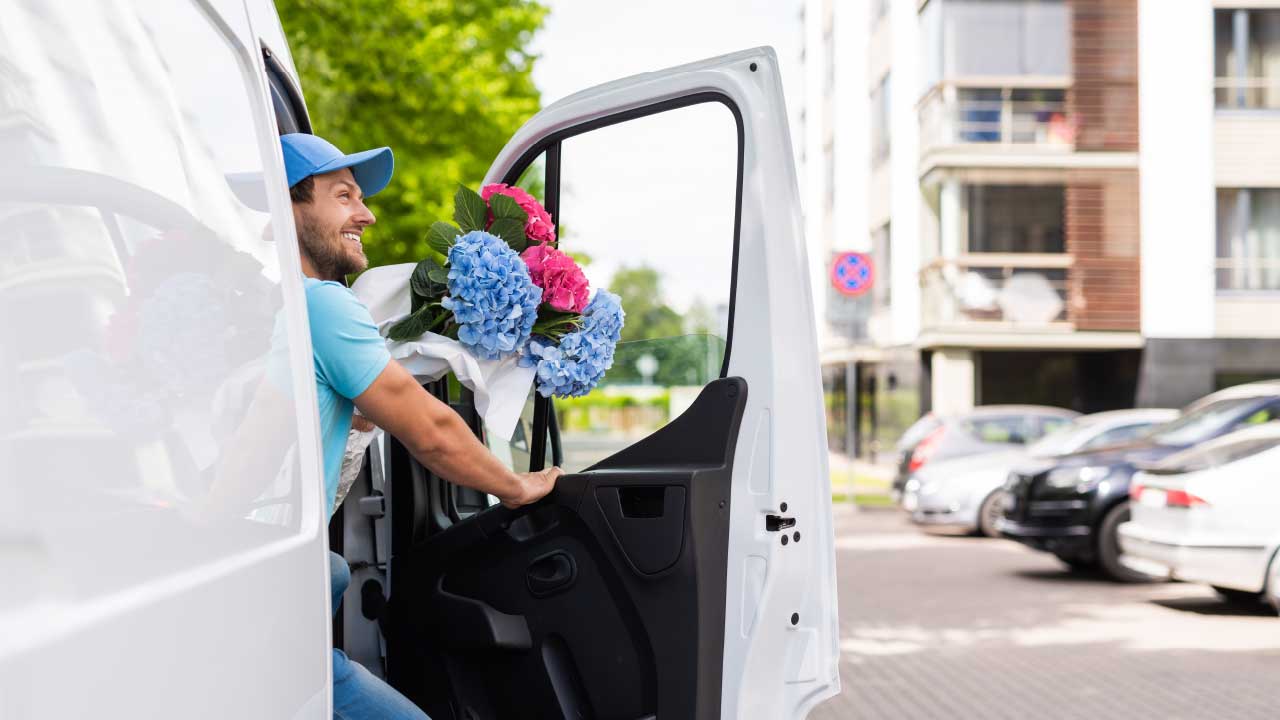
(444, 83)
(685, 348)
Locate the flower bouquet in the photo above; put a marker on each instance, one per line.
(497, 303)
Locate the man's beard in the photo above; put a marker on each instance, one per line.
(326, 250)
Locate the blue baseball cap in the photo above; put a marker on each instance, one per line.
(306, 155)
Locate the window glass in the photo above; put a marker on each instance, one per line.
(1203, 422)
(1247, 58)
(1248, 239)
(145, 377)
(880, 123)
(1215, 454)
(1015, 218)
(1002, 428)
(1118, 435)
(648, 208)
(1003, 38)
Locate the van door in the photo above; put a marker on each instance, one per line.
(684, 568)
(161, 528)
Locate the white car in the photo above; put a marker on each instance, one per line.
(1210, 515)
(163, 533)
(965, 494)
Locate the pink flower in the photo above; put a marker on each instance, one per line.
(564, 287)
(539, 228)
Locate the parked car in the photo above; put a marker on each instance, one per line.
(1074, 507)
(163, 531)
(966, 494)
(989, 428)
(1209, 515)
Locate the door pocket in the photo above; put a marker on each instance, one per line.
(647, 522)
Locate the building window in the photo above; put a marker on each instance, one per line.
(1246, 59)
(979, 38)
(879, 8)
(880, 255)
(1015, 218)
(880, 131)
(1248, 239)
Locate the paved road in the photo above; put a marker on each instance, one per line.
(956, 627)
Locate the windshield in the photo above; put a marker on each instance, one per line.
(1061, 441)
(1203, 423)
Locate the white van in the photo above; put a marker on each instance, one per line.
(163, 540)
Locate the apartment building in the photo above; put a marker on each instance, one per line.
(1069, 202)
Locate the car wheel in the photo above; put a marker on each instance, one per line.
(989, 514)
(1109, 547)
(1272, 591)
(1237, 597)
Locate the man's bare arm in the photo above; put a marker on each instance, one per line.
(439, 439)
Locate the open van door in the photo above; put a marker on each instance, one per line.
(684, 568)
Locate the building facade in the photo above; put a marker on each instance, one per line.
(1069, 202)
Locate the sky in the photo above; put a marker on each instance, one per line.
(657, 190)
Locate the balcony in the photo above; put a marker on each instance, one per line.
(996, 119)
(995, 292)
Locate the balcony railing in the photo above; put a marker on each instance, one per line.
(993, 290)
(953, 115)
(1248, 274)
(1251, 93)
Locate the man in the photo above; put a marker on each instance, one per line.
(354, 370)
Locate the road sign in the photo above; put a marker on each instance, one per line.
(852, 273)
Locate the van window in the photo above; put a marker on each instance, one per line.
(146, 376)
(648, 206)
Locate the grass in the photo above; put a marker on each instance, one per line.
(864, 499)
(867, 491)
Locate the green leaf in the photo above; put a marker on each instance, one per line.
(420, 280)
(439, 275)
(505, 206)
(469, 210)
(511, 231)
(441, 236)
(413, 326)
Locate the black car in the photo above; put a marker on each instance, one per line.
(1073, 506)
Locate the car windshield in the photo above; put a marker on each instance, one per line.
(1062, 440)
(1202, 423)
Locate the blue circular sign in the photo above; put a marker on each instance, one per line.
(852, 273)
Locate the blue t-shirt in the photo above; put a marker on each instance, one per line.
(349, 355)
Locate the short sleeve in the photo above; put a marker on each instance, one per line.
(349, 352)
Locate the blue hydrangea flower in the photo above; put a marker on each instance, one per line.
(491, 296)
(572, 368)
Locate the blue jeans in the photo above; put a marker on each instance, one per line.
(357, 693)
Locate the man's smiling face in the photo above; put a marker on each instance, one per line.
(331, 226)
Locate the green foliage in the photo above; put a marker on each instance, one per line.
(444, 83)
(469, 210)
(687, 349)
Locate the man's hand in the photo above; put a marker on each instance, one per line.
(534, 486)
(361, 423)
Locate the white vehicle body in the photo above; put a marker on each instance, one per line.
(951, 494)
(1209, 514)
(156, 345)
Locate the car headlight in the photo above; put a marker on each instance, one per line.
(1083, 479)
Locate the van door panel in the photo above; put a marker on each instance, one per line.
(610, 608)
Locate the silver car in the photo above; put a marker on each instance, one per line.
(965, 494)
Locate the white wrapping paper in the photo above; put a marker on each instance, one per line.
(501, 387)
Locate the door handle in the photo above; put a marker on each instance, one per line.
(551, 573)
